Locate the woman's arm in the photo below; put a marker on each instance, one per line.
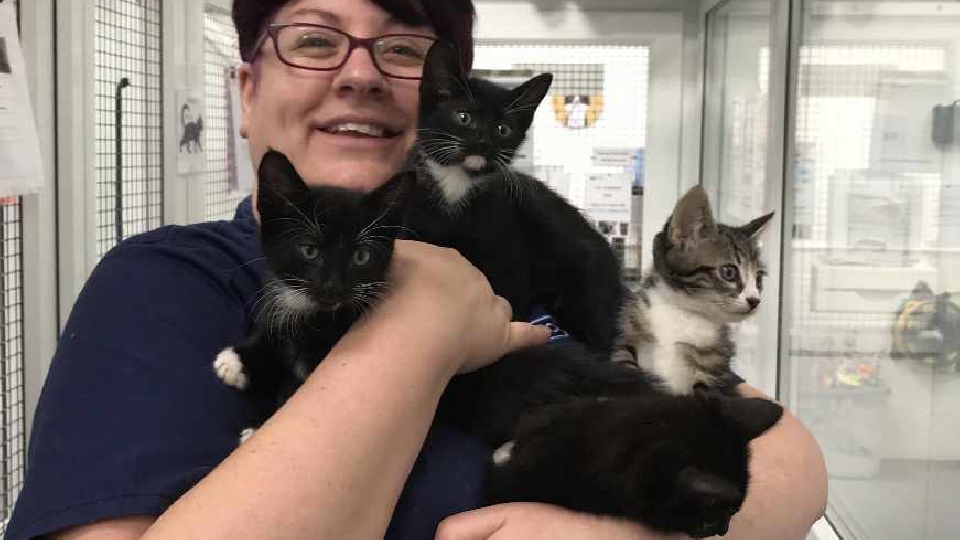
(788, 482)
(332, 462)
(788, 494)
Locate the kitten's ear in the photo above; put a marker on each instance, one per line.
(755, 228)
(443, 77)
(750, 417)
(527, 97)
(390, 199)
(279, 184)
(532, 92)
(692, 219)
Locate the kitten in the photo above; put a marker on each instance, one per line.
(328, 249)
(705, 276)
(536, 249)
(596, 436)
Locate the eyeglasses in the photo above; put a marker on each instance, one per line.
(322, 48)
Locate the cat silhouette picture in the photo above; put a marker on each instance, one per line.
(190, 140)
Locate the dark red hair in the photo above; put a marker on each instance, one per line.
(452, 20)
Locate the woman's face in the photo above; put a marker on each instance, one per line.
(294, 110)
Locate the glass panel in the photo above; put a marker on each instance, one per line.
(873, 336)
(735, 143)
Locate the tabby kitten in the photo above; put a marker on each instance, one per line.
(535, 248)
(705, 276)
(328, 249)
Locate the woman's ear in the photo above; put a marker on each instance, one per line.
(247, 79)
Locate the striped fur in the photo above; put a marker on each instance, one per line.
(705, 276)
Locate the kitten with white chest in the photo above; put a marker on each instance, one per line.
(706, 276)
(536, 249)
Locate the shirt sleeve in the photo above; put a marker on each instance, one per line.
(131, 414)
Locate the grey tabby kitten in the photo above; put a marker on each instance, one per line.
(705, 276)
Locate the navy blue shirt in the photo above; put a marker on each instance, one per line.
(132, 416)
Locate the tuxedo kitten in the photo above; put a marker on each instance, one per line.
(705, 276)
(536, 249)
(329, 250)
(470, 128)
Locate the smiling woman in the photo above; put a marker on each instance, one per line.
(349, 75)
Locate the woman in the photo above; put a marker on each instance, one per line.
(135, 436)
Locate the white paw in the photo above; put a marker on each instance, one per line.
(503, 454)
(230, 369)
(246, 434)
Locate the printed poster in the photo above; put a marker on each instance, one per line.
(21, 170)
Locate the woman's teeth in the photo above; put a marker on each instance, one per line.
(361, 129)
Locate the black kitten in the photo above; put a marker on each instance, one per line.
(671, 463)
(329, 250)
(535, 248)
(471, 128)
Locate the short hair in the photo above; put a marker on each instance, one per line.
(452, 20)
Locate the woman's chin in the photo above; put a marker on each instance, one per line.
(353, 172)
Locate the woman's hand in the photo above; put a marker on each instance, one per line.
(531, 521)
(442, 302)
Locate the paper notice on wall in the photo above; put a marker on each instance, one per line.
(242, 176)
(608, 202)
(630, 160)
(20, 160)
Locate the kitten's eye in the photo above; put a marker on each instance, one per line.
(729, 272)
(310, 252)
(760, 275)
(361, 257)
(463, 118)
(504, 130)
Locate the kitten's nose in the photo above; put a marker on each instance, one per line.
(753, 301)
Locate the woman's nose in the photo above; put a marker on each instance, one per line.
(359, 75)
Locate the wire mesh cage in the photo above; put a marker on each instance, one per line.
(221, 56)
(12, 417)
(129, 119)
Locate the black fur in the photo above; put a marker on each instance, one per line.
(672, 463)
(343, 228)
(535, 248)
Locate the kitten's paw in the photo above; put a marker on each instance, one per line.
(503, 454)
(246, 434)
(230, 369)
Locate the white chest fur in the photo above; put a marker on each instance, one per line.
(454, 182)
(674, 327)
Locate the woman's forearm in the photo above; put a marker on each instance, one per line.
(333, 461)
(788, 483)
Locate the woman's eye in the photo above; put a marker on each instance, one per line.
(504, 130)
(361, 257)
(315, 42)
(463, 118)
(729, 272)
(310, 252)
(403, 50)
